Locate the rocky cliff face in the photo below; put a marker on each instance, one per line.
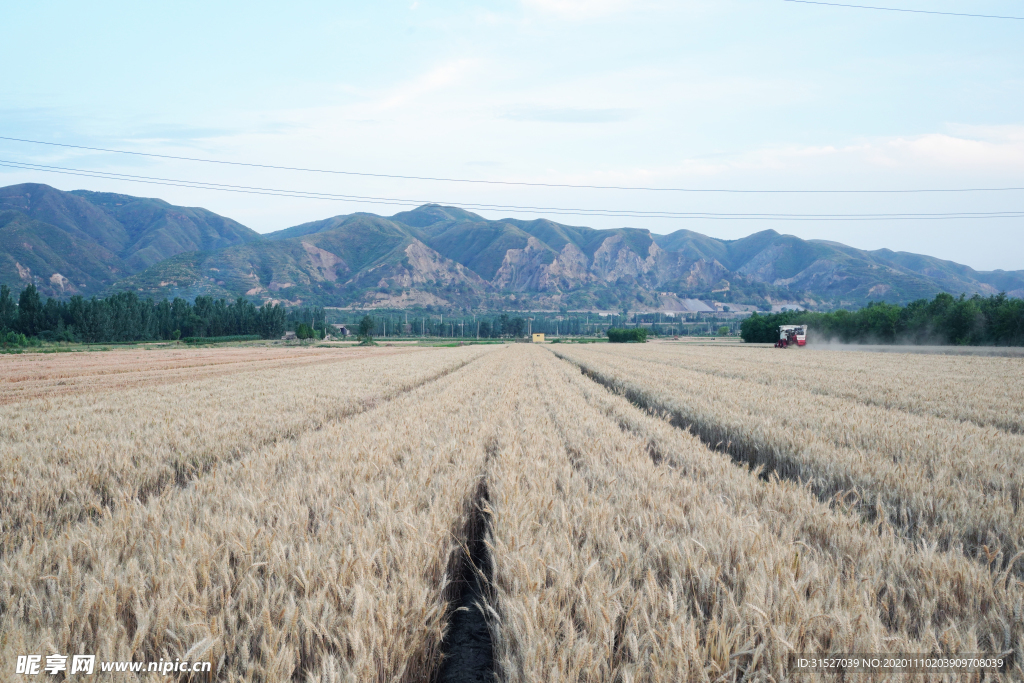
(614, 260)
(529, 268)
(423, 266)
(329, 266)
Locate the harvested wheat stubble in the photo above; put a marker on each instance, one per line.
(322, 558)
(939, 480)
(29, 376)
(986, 391)
(625, 550)
(65, 459)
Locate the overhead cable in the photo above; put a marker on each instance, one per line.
(394, 176)
(395, 201)
(912, 11)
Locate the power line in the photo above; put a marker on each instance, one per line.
(503, 182)
(394, 201)
(912, 11)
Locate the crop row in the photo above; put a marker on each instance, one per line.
(54, 375)
(625, 549)
(326, 557)
(70, 458)
(934, 479)
(985, 391)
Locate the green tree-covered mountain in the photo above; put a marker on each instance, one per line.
(91, 243)
(83, 242)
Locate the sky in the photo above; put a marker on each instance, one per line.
(696, 94)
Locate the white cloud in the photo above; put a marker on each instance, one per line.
(440, 77)
(997, 150)
(955, 152)
(986, 149)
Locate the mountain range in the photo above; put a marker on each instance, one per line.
(93, 243)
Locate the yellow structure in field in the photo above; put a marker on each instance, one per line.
(538, 337)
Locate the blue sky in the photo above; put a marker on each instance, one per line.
(740, 94)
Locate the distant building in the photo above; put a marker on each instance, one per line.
(538, 337)
(340, 330)
(290, 334)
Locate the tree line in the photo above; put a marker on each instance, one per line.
(977, 321)
(124, 317)
(444, 325)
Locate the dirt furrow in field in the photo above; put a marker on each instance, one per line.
(467, 649)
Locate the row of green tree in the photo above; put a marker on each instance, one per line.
(390, 325)
(124, 317)
(996, 320)
(504, 326)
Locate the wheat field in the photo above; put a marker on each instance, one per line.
(961, 388)
(937, 479)
(647, 512)
(75, 455)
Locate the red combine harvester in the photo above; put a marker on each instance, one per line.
(791, 335)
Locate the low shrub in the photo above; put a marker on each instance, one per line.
(636, 335)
